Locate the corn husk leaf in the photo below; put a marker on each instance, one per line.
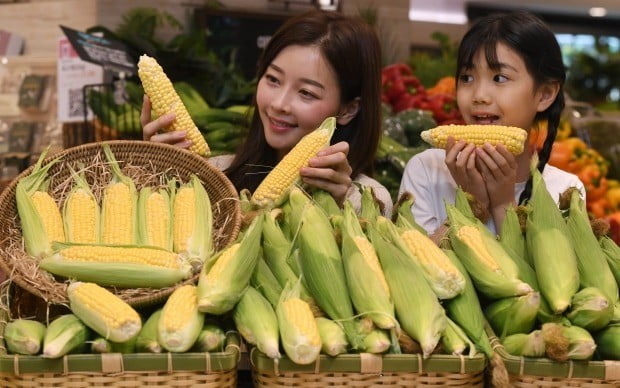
(590, 309)
(525, 345)
(333, 339)
(24, 336)
(257, 322)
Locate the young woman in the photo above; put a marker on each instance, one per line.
(509, 72)
(317, 65)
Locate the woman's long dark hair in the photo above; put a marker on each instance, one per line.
(352, 49)
(531, 38)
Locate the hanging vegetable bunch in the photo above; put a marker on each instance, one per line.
(403, 90)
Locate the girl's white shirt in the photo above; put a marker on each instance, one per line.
(427, 177)
(222, 162)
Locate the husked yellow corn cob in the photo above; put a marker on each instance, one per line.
(471, 236)
(370, 255)
(154, 218)
(121, 266)
(118, 208)
(444, 278)
(298, 330)
(512, 138)
(164, 100)
(104, 312)
(180, 321)
(50, 215)
(222, 263)
(273, 189)
(81, 213)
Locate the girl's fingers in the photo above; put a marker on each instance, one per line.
(176, 137)
(326, 174)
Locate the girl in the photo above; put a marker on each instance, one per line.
(509, 72)
(318, 64)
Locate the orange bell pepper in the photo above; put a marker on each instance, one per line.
(561, 155)
(613, 197)
(446, 85)
(598, 208)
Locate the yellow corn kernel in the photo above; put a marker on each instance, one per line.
(118, 214)
(298, 314)
(184, 218)
(273, 189)
(164, 100)
(370, 255)
(512, 138)
(179, 307)
(81, 217)
(110, 254)
(103, 311)
(50, 215)
(158, 220)
(222, 262)
(471, 236)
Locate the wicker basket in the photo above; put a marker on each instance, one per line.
(152, 158)
(542, 372)
(363, 370)
(121, 370)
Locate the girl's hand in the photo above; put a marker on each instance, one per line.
(461, 162)
(151, 130)
(330, 171)
(499, 170)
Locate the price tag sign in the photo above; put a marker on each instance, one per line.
(111, 54)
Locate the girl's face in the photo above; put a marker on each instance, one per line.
(506, 96)
(296, 93)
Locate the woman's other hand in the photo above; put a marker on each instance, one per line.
(153, 130)
(330, 170)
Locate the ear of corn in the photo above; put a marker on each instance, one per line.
(445, 280)
(608, 342)
(293, 209)
(104, 312)
(180, 321)
(326, 202)
(513, 315)
(211, 339)
(333, 339)
(81, 213)
(591, 262)
(24, 336)
(155, 218)
(164, 100)
(322, 267)
(193, 222)
(365, 280)
(118, 209)
(370, 209)
(257, 322)
(220, 286)
(465, 310)
(454, 340)
(512, 138)
(403, 209)
(417, 307)
(493, 272)
(612, 255)
(65, 334)
(376, 342)
(274, 189)
(265, 282)
(525, 345)
(298, 330)
(146, 341)
(581, 344)
(590, 309)
(120, 266)
(102, 345)
(39, 215)
(511, 235)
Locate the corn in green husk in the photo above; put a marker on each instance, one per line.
(24, 336)
(322, 267)
(511, 236)
(298, 329)
(155, 228)
(180, 321)
(257, 322)
(326, 202)
(66, 334)
(146, 341)
(591, 261)
(417, 307)
(265, 281)
(333, 339)
(402, 213)
(608, 342)
(454, 340)
(513, 315)
(525, 345)
(581, 343)
(590, 309)
(365, 279)
(221, 285)
(38, 230)
(615, 318)
(102, 345)
(612, 255)
(491, 268)
(550, 247)
(376, 342)
(211, 339)
(293, 209)
(371, 207)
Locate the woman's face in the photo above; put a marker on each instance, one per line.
(504, 96)
(297, 92)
